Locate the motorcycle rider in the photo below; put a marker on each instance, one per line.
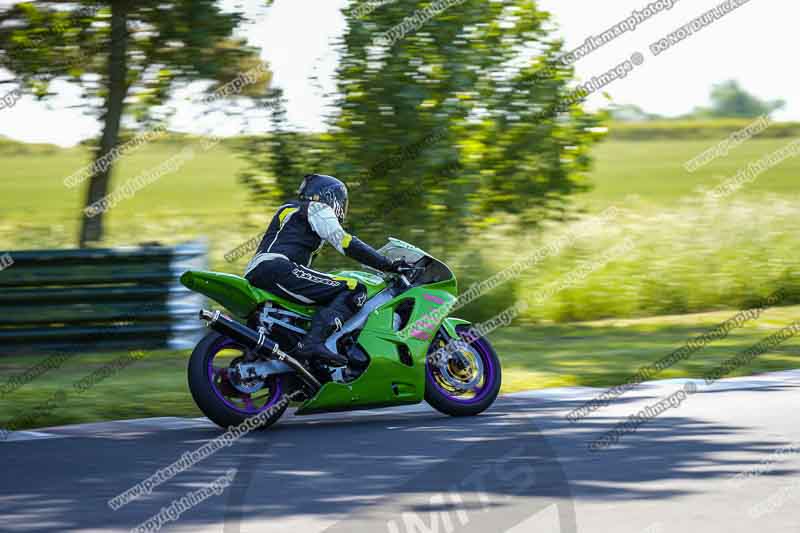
(282, 263)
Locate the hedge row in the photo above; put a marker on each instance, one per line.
(695, 129)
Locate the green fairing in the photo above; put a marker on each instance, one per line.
(235, 293)
(450, 325)
(387, 381)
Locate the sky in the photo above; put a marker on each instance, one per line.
(754, 44)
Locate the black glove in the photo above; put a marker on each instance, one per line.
(366, 254)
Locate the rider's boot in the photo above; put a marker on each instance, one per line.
(324, 323)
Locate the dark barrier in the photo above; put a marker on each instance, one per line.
(99, 300)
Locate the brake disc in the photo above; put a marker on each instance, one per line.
(458, 375)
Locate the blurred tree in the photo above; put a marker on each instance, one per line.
(730, 100)
(286, 154)
(465, 89)
(126, 56)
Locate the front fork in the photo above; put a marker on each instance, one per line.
(445, 345)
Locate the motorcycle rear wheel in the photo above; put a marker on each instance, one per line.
(218, 398)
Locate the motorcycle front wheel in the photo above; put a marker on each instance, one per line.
(465, 385)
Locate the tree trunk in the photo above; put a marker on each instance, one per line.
(92, 226)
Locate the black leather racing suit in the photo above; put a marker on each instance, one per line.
(282, 266)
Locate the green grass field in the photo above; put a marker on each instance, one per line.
(39, 211)
(203, 198)
(650, 175)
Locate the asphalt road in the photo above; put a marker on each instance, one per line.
(723, 459)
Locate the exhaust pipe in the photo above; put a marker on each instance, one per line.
(258, 342)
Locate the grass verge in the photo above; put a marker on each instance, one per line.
(598, 354)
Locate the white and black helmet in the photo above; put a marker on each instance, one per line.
(327, 190)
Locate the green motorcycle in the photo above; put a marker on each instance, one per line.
(401, 345)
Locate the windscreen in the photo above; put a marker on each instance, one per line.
(394, 251)
(434, 271)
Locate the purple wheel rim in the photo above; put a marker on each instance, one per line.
(484, 353)
(274, 384)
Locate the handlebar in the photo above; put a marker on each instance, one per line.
(401, 274)
(410, 269)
